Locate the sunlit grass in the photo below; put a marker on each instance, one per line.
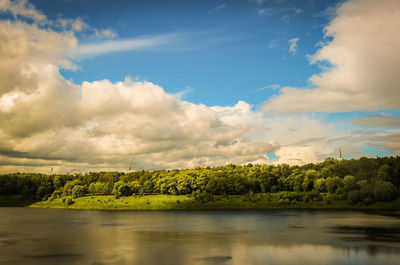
(177, 202)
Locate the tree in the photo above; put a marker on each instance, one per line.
(92, 188)
(78, 191)
(319, 185)
(134, 186)
(384, 191)
(366, 190)
(349, 183)
(69, 186)
(396, 174)
(99, 188)
(58, 182)
(384, 173)
(330, 184)
(308, 182)
(44, 190)
(124, 190)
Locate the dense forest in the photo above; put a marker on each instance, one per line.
(364, 180)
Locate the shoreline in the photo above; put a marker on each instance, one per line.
(182, 202)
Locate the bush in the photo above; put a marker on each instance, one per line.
(354, 196)
(56, 194)
(368, 200)
(292, 196)
(313, 196)
(203, 197)
(69, 201)
(283, 201)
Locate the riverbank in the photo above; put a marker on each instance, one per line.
(181, 202)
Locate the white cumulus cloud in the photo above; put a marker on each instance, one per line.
(365, 58)
(48, 120)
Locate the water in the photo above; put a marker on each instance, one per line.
(49, 236)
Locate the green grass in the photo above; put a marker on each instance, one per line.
(181, 202)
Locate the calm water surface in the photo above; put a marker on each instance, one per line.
(49, 236)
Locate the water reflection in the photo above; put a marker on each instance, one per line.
(44, 236)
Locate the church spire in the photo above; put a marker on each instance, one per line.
(340, 155)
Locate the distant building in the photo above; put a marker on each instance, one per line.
(340, 155)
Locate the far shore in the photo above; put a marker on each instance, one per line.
(182, 202)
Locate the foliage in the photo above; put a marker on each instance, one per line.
(364, 180)
(78, 191)
(384, 191)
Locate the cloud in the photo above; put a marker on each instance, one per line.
(182, 93)
(21, 8)
(273, 87)
(273, 43)
(172, 41)
(364, 57)
(76, 25)
(139, 43)
(266, 11)
(217, 8)
(296, 10)
(303, 138)
(377, 121)
(389, 141)
(259, 2)
(47, 120)
(288, 12)
(104, 34)
(293, 45)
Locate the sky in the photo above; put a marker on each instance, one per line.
(146, 85)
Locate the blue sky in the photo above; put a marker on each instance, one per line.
(229, 52)
(101, 85)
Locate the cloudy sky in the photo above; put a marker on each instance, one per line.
(96, 85)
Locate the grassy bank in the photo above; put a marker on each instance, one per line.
(176, 202)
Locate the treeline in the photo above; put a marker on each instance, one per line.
(364, 180)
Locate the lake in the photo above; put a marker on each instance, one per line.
(50, 236)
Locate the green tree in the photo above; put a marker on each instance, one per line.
(333, 183)
(99, 188)
(349, 183)
(78, 191)
(319, 185)
(69, 186)
(135, 186)
(58, 182)
(384, 173)
(384, 191)
(308, 182)
(124, 190)
(366, 191)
